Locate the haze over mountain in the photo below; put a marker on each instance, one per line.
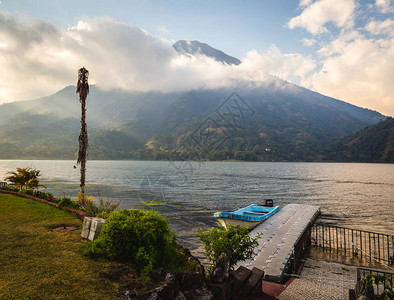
(276, 120)
(195, 47)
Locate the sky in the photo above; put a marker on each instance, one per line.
(340, 48)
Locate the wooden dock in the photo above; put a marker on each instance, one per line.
(282, 234)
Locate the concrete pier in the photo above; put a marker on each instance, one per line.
(281, 234)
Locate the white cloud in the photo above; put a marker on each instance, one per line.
(359, 71)
(356, 65)
(37, 59)
(29, 58)
(163, 29)
(384, 6)
(305, 3)
(294, 67)
(309, 42)
(316, 15)
(385, 27)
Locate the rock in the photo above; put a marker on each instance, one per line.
(154, 296)
(255, 282)
(200, 294)
(221, 272)
(170, 276)
(221, 291)
(180, 296)
(159, 273)
(183, 286)
(240, 283)
(191, 281)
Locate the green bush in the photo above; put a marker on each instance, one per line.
(67, 202)
(140, 237)
(10, 188)
(234, 241)
(42, 195)
(102, 210)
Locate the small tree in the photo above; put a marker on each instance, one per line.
(25, 178)
(234, 241)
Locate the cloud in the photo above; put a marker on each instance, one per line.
(385, 27)
(384, 6)
(291, 66)
(305, 3)
(315, 15)
(359, 70)
(30, 57)
(37, 59)
(355, 65)
(308, 42)
(163, 29)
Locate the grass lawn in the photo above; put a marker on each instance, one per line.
(36, 262)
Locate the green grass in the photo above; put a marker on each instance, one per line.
(37, 263)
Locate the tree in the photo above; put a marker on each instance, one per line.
(83, 90)
(25, 178)
(233, 241)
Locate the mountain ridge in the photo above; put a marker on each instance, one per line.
(272, 121)
(291, 125)
(196, 47)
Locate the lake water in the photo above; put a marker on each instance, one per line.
(359, 196)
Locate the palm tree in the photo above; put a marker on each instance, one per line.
(83, 90)
(25, 178)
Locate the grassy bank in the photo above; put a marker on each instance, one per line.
(36, 262)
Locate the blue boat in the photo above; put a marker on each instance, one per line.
(249, 216)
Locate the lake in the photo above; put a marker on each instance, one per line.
(354, 195)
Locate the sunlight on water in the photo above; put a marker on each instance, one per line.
(351, 195)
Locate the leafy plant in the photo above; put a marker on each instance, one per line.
(387, 280)
(234, 241)
(103, 209)
(141, 237)
(25, 178)
(10, 188)
(67, 202)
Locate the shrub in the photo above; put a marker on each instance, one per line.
(141, 237)
(35, 193)
(10, 188)
(234, 241)
(103, 209)
(48, 197)
(67, 202)
(40, 194)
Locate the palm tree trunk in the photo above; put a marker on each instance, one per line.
(83, 142)
(83, 90)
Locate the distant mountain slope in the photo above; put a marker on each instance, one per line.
(195, 47)
(276, 121)
(105, 108)
(372, 144)
(292, 105)
(292, 125)
(290, 121)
